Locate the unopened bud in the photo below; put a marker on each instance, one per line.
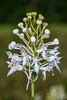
(33, 39)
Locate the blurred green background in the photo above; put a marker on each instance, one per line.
(11, 13)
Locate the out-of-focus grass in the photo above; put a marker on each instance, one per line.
(13, 87)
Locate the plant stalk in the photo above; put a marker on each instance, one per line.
(32, 88)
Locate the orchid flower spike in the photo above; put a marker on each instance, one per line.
(34, 55)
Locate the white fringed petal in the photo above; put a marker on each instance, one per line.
(11, 71)
(52, 51)
(27, 78)
(40, 50)
(44, 74)
(24, 61)
(44, 55)
(8, 62)
(57, 53)
(51, 58)
(59, 58)
(57, 47)
(57, 66)
(16, 57)
(36, 67)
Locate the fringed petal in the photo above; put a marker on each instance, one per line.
(44, 55)
(44, 75)
(59, 58)
(57, 47)
(11, 71)
(40, 50)
(57, 66)
(51, 58)
(8, 62)
(24, 61)
(36, 67)
(27, 78)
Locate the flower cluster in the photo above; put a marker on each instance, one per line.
(34, 56)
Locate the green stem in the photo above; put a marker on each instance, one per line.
(32, 88)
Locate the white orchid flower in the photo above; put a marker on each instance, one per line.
(44, 69)
(43, 49)
(25, 58)
(52, 57)
(15, 57)
(11, 71)
(53, 51)
(14, 67)
(54, 42)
